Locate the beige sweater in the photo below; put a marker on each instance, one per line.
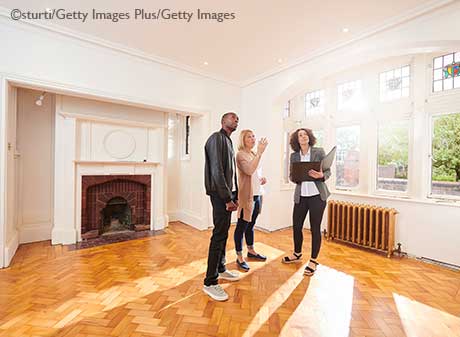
(247, 163)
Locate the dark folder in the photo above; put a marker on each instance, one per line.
(300, 170)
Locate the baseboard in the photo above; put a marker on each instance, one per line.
(189, 218)
(11, 248)
(173, 216)
(63, 236)
(160, 222)
(34, 232)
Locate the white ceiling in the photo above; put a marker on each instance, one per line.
(265, 36)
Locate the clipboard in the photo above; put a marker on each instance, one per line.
(299, 170)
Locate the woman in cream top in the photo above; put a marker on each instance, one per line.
(250, 189)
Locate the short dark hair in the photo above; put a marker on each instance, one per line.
(294, 141)
(225, 115)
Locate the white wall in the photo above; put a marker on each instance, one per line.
(35, 147)
(424, 229)
(186, 173)
(10, 232)
(40, 58)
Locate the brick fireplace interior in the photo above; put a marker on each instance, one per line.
(114, 204)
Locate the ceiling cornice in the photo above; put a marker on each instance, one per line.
(388, 24)
(5, 14)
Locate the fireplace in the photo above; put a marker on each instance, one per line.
(115, 203)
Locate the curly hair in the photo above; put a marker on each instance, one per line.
(294, 141)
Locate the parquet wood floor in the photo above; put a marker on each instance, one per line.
(152, 287)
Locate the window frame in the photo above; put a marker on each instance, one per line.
(339, 85)
(409, 87)
(374, 172)
(321, 107)
(430, 195)
(358, 187)
(433, 69)
(185, 139)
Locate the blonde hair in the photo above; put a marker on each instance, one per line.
(243, 134)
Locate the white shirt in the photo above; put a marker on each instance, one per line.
(308, 188)
(257, 188)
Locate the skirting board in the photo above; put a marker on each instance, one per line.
(34, 233)
(11, 248)
(63, 236)
(160, 222)
(189, 219)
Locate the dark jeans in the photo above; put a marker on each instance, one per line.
(316, 207)
(246, 228)
(216, 256)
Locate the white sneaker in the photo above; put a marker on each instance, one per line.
(216, 292)
(230, 275)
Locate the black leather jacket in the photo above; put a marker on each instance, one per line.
(220, 166)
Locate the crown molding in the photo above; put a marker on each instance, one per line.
(91, 93)
(5, 14)
(387, 25)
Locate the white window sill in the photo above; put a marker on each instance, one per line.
(427, 201)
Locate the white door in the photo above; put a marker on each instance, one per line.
(11, 185)
(3, 95)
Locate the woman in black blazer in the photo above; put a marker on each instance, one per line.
(309, 196)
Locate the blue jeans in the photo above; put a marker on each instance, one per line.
(246, 229)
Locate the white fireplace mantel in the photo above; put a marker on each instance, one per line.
(158, 219)
(86, 149)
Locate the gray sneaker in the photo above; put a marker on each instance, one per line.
(216, 292)
(230, 275)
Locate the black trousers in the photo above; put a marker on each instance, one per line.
(246, 229)
(316, 207)
(216, 256)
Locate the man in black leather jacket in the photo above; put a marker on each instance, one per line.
(221, 186)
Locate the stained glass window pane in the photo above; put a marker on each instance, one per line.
(314, 102)
(437, 62)
(448, 59)
(448, 84)
(287, 109)
(437, 86)
(437, 74)
(393, 83)
(448, 72)
(457, 82)
(350, 95)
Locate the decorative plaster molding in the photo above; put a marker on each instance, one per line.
(115, 121)
(119, 144)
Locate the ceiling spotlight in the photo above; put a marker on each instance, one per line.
(345, 30)
(205, 63)
(280, 60)
(39, 101)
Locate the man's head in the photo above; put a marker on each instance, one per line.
(229, 121)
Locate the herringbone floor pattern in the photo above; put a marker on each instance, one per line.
(152, 287)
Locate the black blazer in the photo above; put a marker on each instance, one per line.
(316, 154)
(219, 168)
